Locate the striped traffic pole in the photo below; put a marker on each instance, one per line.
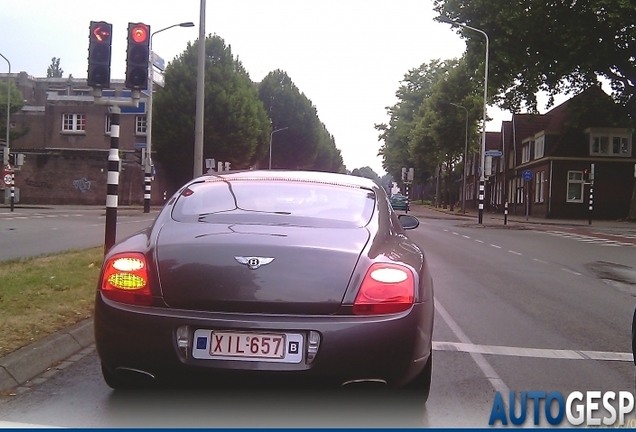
(591, 201)
(506, 213)
(482, 187)
(147, 185)
(12, 190)
(113, 181)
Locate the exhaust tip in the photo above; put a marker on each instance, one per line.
(371, 383)
(135, 375)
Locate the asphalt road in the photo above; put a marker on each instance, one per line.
(31, 231)
(517, 310)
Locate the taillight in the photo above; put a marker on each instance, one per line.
(125, 279)
(386, 288)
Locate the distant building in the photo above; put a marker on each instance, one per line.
(66, 147)
(557, 151)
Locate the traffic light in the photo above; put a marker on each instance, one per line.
(586, 175)
(99, 54)
(137, 56)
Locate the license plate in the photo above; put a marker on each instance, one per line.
(248, 346)
(237, 344)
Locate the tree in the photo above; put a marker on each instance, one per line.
(553, 46)
(438, 136)
(297, 146)
(550, 45)
(417, 86)
(15, 105)
(54, 70)
(236, 125)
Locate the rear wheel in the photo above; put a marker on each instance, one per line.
(125, 381)
(112, 379)
(421, 384)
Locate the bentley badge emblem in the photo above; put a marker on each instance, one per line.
(253, 262)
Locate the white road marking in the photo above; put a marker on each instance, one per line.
(539, 261)
(533, 352)
(516, 253)
(479, 359)
(495, 246)
(465, 236)
(479, 241)
(571, 271)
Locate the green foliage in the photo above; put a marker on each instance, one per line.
(54, 70)
(16, 103)
(424, 128)
(550, 45)
(236, 126)
(305, 142)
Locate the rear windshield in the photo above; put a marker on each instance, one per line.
(270, 201)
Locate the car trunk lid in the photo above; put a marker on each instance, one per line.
(221, 267)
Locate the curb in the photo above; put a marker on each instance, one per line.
(30, 361)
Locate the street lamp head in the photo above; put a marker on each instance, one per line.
(186, 24)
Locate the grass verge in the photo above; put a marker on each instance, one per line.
(41, 295)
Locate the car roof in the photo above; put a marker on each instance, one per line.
(307, 176)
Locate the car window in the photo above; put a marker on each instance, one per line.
(298, 199)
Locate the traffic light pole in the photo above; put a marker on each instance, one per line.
(112, 187)
(112, 192)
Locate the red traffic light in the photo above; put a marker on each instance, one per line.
(139, 33)
(101, 32)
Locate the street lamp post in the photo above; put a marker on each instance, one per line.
(482, 155)
(148, 159)
(5, 153)
(271, 135)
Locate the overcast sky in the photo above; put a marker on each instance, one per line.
(347, 56)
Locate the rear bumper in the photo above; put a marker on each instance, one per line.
(392, 348)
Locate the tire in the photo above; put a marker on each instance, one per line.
(421, 384)
(122, 382)
(112, 380)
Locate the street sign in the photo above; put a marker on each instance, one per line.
(7, 175)
(493, 153)
(140, 145)
(157, 61)
(527, 175)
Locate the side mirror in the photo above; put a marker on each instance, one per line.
(408, 221)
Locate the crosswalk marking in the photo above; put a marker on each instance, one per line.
(590, 239)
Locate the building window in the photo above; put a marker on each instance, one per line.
(73, 122)
(539, 147)
(539, 179)
(525, 152)
(107, 124)
(140, 125)
(575, 186)
(610, 144)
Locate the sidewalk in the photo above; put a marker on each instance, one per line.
(21, 366)
(497, 219)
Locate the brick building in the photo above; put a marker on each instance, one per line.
(67, 143)
(557, 151)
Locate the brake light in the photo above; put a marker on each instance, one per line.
(386, 288)
(125, 279)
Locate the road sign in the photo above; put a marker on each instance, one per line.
(6, 175)
(493, 153)
(527, 175)
(157, 61)
(140, 145)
